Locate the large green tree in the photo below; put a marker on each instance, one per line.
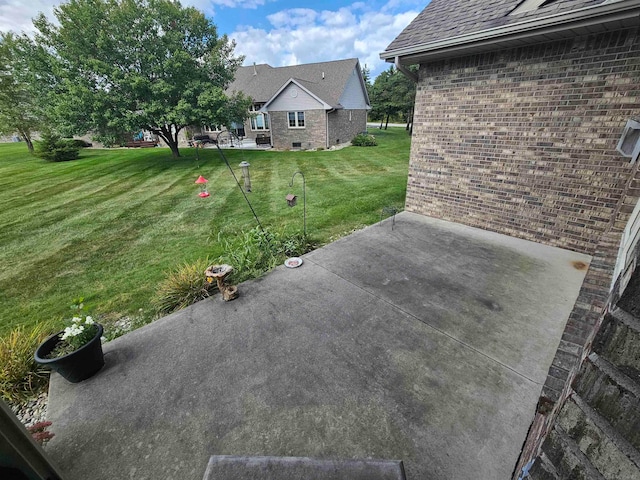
(21, 94)
(392, 95)
(126, 65)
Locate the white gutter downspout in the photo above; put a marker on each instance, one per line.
(405, 71)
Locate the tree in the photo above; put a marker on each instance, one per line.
(366, 75)
(392, 94)
(126, 65)
(21, 106)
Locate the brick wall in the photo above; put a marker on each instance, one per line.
(594, 301)
(346, 124)
(314, 135)
(522, 141)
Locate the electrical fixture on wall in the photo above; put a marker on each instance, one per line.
(629, 144)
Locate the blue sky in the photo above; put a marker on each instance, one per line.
(280, 32)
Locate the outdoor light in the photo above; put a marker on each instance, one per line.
(292, 200)
(203, 187)
(245, 175)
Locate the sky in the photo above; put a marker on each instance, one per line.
(280, 32)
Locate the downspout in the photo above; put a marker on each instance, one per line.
(405, 71)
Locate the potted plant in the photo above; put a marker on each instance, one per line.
(75, 352)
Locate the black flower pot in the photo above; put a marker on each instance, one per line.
(77, 365)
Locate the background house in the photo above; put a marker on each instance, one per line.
(309, 106)
(524, 125)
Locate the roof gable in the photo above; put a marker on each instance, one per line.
(325, 80)
(286, 88)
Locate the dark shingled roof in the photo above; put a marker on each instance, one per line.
(263, 81)
(444, 19)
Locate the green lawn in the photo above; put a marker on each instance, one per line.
(109, 225)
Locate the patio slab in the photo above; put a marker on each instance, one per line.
(428, 343)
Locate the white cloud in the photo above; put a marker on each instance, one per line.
(294, 17)
(17, 15)
(307, 36)
(297, 35)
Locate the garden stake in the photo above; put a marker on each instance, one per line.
(237, 182)
(304, 200)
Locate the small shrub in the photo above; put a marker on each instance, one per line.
(112, 139)
(20, 376)
(256, 252)
(78, 142)
(182, 287)
(364, 140)
(53, 148)
(251, 254)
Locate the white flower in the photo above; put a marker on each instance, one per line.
(89, 320)
(76, 319)
(67, 333)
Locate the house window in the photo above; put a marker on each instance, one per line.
(238, 129)
(259, 121)
(296, 119)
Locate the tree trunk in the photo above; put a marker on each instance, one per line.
(387, 122)
(26, 136)
(381, 121)
(170, 139)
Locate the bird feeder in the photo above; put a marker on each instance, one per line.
(245, 175)
(292, 200)
(203, 187)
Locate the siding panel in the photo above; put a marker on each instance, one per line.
(302, 101)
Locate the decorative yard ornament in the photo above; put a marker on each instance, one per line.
(219, 273)
(291, 200)
(245, 175)
(203, 187)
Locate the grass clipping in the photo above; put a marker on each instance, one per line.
(251, 254)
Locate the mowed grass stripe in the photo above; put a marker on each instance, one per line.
(91, 217)
(110, 225)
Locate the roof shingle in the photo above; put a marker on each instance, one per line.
(326, 80)
(444, 19)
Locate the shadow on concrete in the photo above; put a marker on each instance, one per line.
(428, 343)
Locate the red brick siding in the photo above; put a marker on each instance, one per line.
(522, 141)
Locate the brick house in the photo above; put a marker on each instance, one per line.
(315, 105)
(527, 123)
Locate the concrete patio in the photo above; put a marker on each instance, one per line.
(426, 343)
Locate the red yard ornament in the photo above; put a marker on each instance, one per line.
(203, 187)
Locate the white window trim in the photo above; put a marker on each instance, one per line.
(304, 119)
(255, 112)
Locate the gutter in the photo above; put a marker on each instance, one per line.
(616, 11)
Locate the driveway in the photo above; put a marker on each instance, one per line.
(427, 342)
